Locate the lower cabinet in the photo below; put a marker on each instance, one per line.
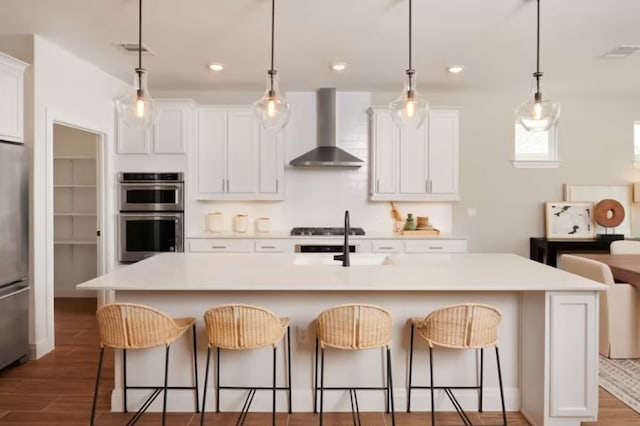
(291, 245)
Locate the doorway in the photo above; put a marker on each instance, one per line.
(76, 221)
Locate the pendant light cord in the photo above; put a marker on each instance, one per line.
(273, 32)
(139, 70)
(538, 74)
(410, 33)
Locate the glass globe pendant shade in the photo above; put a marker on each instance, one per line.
(409, 109)
(272, 109)
(137, 109)
(537, 114)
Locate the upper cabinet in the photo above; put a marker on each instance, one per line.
(234, 158)
(168, 135)
(12, 99)
(414, 164)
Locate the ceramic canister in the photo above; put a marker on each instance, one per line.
(240, 223)
(263, 224)
(215, 222)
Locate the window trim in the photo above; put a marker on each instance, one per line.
(537, 161)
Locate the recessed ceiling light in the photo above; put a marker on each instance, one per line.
(455, 69)
(216, 67)
(339, 66)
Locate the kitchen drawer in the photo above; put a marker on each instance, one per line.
(274, 246)
(220, 245)
(435, 246)
(387, 246)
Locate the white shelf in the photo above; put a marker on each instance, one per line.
(71, 214)
(74, 157)
(74, 186)
(74, 242)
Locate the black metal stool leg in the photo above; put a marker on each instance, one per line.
(321, 383)
(273, 402)
(481, 378)
(410, 369)
(204, 391)
(124, 380)
(289, 365)
(166, 382)
(504, 412)
(217, 380)
(315, 383)
(195, 367)
(433, 408)
(390, 386)
(95, 392)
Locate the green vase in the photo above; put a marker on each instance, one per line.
(410, 224)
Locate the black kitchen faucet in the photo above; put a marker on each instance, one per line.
(345, 250)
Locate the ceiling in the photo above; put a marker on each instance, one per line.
(493, 39)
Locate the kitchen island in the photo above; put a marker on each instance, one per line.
(548, 335)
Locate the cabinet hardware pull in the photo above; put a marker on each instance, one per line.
(277, 185)
(268, 247)
(218, 247)
(436, 248)
(227, 185)
(377, 185)
(385, 248)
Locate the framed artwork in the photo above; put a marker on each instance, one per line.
(595, 193)
(566, 220)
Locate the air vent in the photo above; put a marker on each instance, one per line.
(621, 51)
(132, 47)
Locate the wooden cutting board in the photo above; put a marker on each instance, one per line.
(421, 232)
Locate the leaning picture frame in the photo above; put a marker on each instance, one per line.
(569, 220)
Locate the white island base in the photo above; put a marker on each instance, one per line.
(548, 335)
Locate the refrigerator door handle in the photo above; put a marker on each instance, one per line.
(13, 293)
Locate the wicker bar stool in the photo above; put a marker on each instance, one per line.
(130, 326)
(463, 326)
(244, 327)
(353, 327)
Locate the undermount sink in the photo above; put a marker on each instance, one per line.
(356, 259)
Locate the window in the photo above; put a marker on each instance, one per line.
(537, 149)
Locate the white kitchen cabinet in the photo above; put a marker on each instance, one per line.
(215, 245)
(387, 246)
(414, 164)
(435, 245)
(12, 99)
(234, 158)
(274, 246)
(168, 135)
(171, 130)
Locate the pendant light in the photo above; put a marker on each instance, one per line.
(537, 114)
(272, 110)
(138, 109)
(410, 109)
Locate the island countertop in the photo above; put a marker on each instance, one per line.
(304, 272)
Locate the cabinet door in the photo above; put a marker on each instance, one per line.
(11, 101)
(271, 164)
(211, 153)
(134, 141)
(385, 136)
(413, 160)
(171, 130)
(443, 153)
(242, 152)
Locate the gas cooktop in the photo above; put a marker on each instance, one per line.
(325, 231)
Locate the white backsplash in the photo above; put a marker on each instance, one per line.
(319, 196)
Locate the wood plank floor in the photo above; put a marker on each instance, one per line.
(57, 390)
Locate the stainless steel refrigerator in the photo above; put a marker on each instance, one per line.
(14, 254)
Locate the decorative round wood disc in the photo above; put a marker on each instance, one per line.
(608, 213)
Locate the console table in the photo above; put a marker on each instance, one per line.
(545, 250)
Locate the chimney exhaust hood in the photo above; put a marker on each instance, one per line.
(327, 154)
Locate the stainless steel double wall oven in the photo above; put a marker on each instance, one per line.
(151, 214)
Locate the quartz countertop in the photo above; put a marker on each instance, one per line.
(281, 272)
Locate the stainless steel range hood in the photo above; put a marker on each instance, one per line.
(327, 154)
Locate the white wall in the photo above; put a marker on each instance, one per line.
(70, 91)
